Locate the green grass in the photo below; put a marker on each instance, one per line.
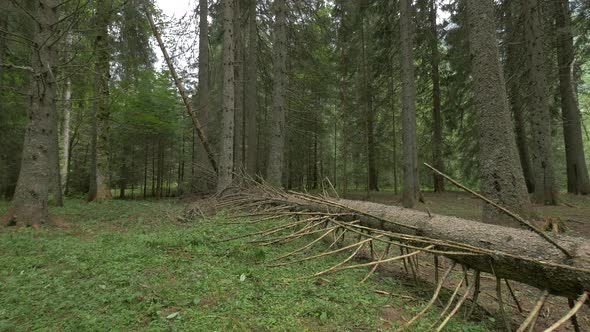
(128, 265)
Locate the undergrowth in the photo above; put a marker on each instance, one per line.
(129, 265)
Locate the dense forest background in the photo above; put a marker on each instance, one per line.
(357, 94)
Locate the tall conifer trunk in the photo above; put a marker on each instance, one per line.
(545, 190)
(515, 73)
(410, 165)
(274, 171)
(99, 182)
(578, 181)
(226, 160)
(251, 91)
(437, 124)
(239, 134)
(66, 119)
(370, 116)
(500, 172)
(29, 205)
(199, 154)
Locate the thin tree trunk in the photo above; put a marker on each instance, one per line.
(370, 120)
(394, 138)
(29, 205)
(540, 119)
(100, 186)
(411, 186)
(226, 160)
(55, 175)
(65, 126)
(124, 171)
(314, 164)
(335, 157)
(239, 153)
(153, 170)
(274, 172)
(145, 170)
(132, 175)
(437, 124)
(578, 181)
(4, 178)
(251, 91)
(179, 179)
(501, 175)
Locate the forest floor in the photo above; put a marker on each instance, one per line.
(131, 265)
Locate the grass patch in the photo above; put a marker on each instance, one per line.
(126, 265)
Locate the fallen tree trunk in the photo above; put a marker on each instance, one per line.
(514, 254)
(509, 253)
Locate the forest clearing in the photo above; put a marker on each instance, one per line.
(286, 165)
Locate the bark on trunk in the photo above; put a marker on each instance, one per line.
(239, 156)
(515, 74)
(199, 180)
(54, 170)
(370, 123)
(251, 91)
(274, 173)
(501, 175)
(29, 205)
(226, 160)
(437, 125)
(542, 151)
(65, 125)
(578, 181)
(100, 186)
(509, 253)
(410, 165)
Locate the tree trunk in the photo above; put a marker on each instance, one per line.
(394, 138)
(65, 125)
(153, 170)
(370, 120)
(251, 91)
(411, 179)
(199, 180)
(274, 171)
(239, 153)
(145, 170)
(100, 186)
(29, 205)
(437, 124)
(514, 254)
(54, 170)
(226, 160)
(515, 74)
(501, 175)
(540, 119)
(4, 179)
(578, 181)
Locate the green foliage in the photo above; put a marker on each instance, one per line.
(127, 265)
